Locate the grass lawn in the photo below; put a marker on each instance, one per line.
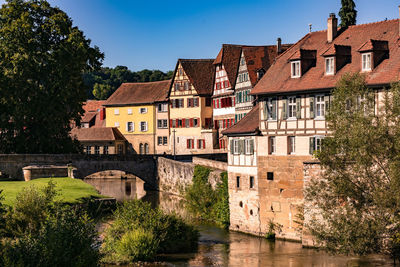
(69, 190)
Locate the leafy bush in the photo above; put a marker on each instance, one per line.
(171, 234)
(138, 245)
(206, 203)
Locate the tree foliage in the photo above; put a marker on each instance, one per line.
(102, 83)
(42, 60)
(348, 13)
(358, 196)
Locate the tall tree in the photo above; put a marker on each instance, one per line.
(348, 13)
(42, 59)
(357, 199)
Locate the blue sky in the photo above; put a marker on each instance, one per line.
(153, 34)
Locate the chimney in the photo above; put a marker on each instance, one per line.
(279, 45)
(332, 27)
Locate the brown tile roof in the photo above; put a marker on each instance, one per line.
(257, 57)
(139, 93)
(277, 79)
(201, 74)
(93, 105)
(249, 124)
(97, 134)
(88, 116)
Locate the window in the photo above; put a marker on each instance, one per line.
(270, 176)
(236, 146)
(88, 150)
(97, 150)
(129, 111)
(249, 146)
(163, 107)
(116, 124)
(180, 72)
(159, 140)
(196, 102)
(120, 149)
(162, 124)
(316, 143)
(195, 122)
(165, 140)
(189, 143)
(272, 145)
(366, 62)
(116, 111)
(295, 69)
(320, 106)
(186, 85)
(251, 182)
(291, 145)
(271, 108)
(226, 84)
(143, 110)
(329, 67)
(141, 149)
(129, 126)
(208, 102)
(187, 123)
(146, 148)
(177, 87)
(242, 61)
(201, 144)
(237, 181)
(292, 107)
(143, 126)
(180, 103)
(105, 150)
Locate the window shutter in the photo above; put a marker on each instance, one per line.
(312, 145)
(252, 146)
(312, 107)
(274, 109)
(298, 107)
(183, 122)
(284, 109)
(187, 143)
(265, 110)
(241, 147)
(192, 143)
(232, 144)
(191, 122)
(171, 123)
(327, 103)
(204, 143)
(146, 126)
(127, 129)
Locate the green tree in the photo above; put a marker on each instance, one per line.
(102, 91)
(42, 59)
(348, 13)
(358, 195)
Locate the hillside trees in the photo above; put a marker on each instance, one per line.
(358, 195)
(42, 60)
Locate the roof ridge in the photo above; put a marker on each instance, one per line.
(147, 82)
(199, 59)
(375, 22)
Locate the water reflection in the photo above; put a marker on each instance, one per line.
(218, 247)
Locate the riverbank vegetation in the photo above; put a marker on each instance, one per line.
(207, 203)
(69, 190)
(40, 231)
(139, 232)
(357, 199)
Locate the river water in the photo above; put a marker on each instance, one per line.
(218, 247)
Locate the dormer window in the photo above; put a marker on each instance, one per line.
(295, 69)
(366, 62)
(329, 65)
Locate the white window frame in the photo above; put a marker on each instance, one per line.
(295, 69)
(329, 65)
(130, 111)
(143, 126)
(127, 127)
(236, 146)
(247, 146)
(318, 138)
(162, 107)
(291, 109)
(88, 150)
(366, 65)
(165, 140)
(159, 140)
(143, 110)
(116, 111)
(116, 124)
(97, 150)
(292, 145)
(320, 106)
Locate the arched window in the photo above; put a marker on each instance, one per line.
(146, 148)
(141, 149)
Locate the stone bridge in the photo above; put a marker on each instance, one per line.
(142, 166)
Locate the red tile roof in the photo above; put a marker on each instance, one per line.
(88, 116)
(97, 134)
(278, 80)
(93, 105)
(249, 124)
(139, 93)
(201, 74)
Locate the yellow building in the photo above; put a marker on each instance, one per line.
(134, 110)
(190, 107)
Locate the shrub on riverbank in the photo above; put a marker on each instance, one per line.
(37, 231)
(207, 203)
(139, 232)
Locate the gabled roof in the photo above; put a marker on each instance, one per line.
(260, 57)
(139, 93)
(248, 125)
(201, 74)
(97, 134)
(93, 105)
(230, 54)
(278, 80)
